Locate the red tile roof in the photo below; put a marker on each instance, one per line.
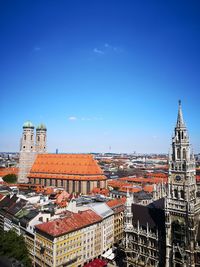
(5, 171)
(152, 180)
(72, 222)
(116, 202)
(102, 191)
(66, 166)
(148, 188)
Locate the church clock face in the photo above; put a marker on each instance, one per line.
(178, 178)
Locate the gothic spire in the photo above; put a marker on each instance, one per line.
(180, 121)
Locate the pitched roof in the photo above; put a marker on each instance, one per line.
(7, 201)
(116, 202)
(152, 214)
(66, 166)
(10, 170)
(101, 209)
(72, 222)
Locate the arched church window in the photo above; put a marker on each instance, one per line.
(178, 255)
(179, 136)
(178, 232)
(182, 135)
(178, 153)
(31, 137)
(25, 137)
(38, 138)
(183, 166)
(182, 194)
(184, 153)
(175, 193)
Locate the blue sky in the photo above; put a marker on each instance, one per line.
(102, 75)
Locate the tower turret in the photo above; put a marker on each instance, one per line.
(27, 151)
(41, 139)
(128, 211)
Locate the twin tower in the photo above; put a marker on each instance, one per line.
(30, 146)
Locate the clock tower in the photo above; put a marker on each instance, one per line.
(182, 208)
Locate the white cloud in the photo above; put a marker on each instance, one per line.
(107, 49)
(72, 118)
(98, 51)
(107, 45)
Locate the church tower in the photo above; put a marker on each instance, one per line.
(182, 208)
(41, 136)
(27, 152)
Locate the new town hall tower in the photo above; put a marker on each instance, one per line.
(166, 233)
(182, 210)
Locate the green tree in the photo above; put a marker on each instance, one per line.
(14, 246)
(10, 178)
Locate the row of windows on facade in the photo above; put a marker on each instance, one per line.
(38, 138)
(31, 147)
(143, 240)
(142, 258)
(59, 182)
(179, 153)
(181, 135)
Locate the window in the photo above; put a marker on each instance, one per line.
(184, 153)
(79, 187)
(178, 153)
(88, 186)
(178, 233)
(182, 194)
(175, 193)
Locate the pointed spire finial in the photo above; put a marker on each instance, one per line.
(180, 122)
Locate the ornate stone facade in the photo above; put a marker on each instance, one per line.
(167, 232)
(182, 208)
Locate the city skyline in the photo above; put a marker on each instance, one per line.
(103, 76)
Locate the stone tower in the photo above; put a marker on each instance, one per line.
(41, 131)
(182, 208)
(27, 152)
(128, 212)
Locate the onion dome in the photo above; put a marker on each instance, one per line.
(41, 127)
(28, 124)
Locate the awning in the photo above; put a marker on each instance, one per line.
(109, 254)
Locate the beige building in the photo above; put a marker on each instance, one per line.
(118, 206)
(70, 241)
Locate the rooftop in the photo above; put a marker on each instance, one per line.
(73, 221)
(66, 166)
